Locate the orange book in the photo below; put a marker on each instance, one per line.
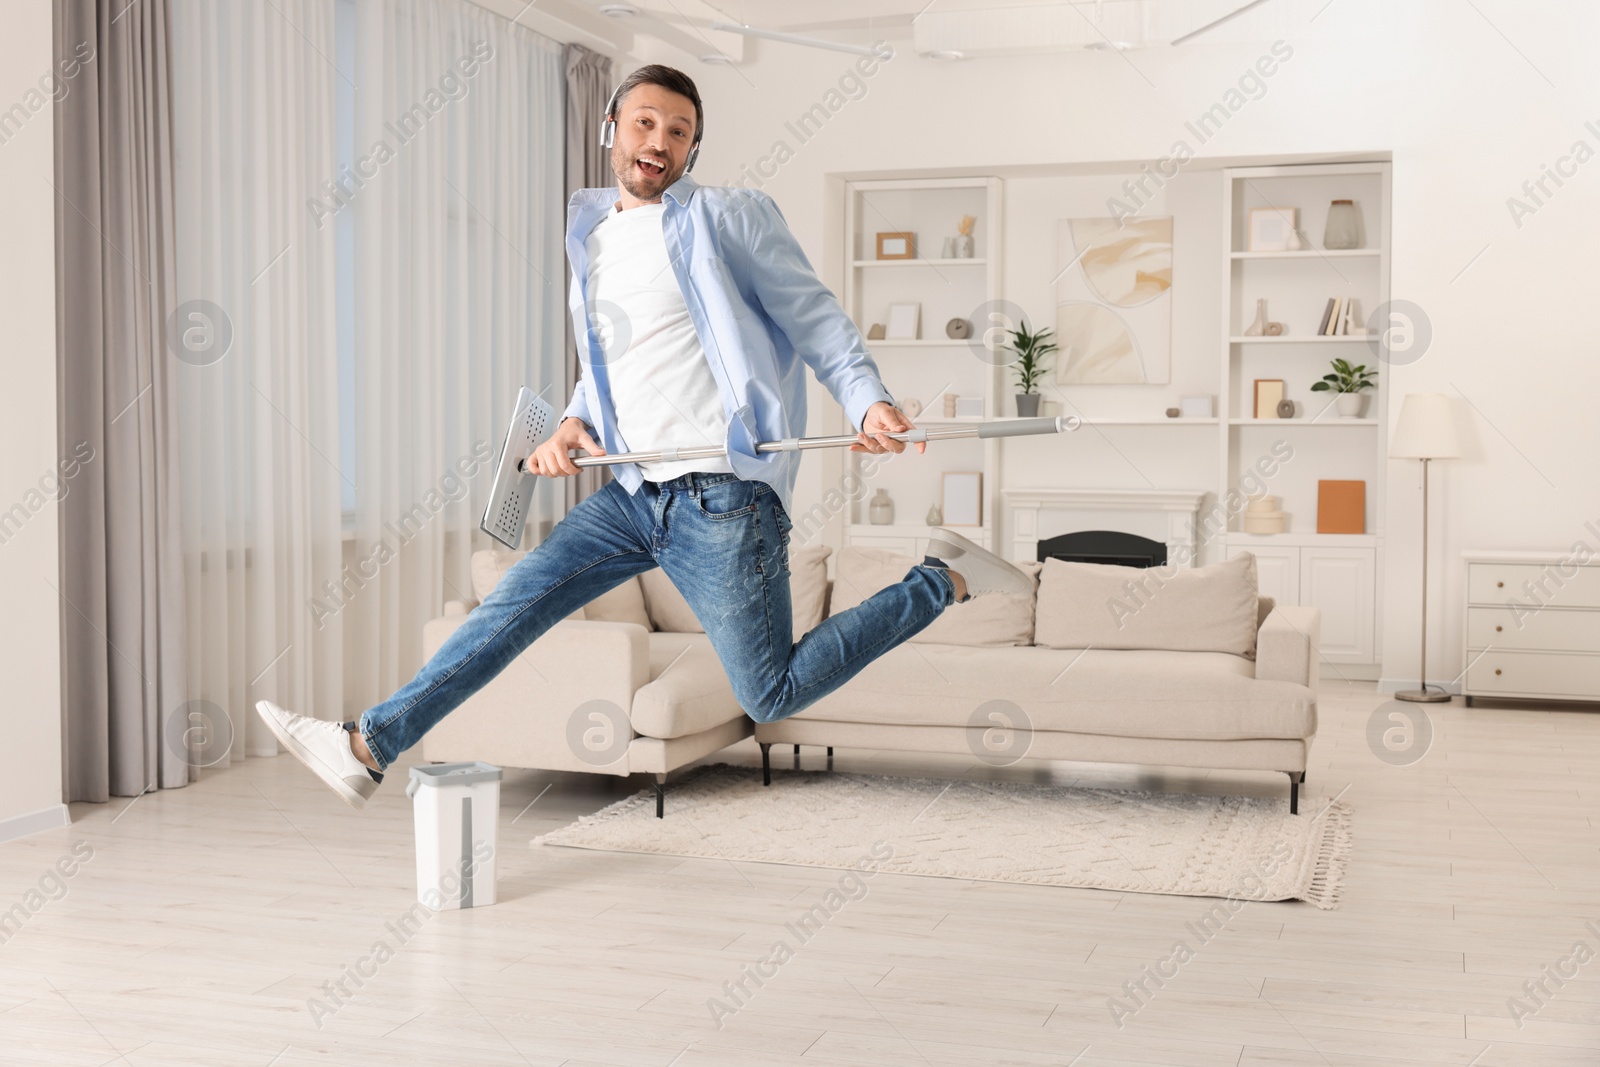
(1341, 507)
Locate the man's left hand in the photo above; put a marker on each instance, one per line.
(884, 418)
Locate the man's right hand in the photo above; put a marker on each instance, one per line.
(551, 460)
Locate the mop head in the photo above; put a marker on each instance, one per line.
(532, 422)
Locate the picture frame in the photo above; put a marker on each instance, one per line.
(969, 407)
(1196, 407)
(905, 322)
(1270, 228)
(897, 245)
(1268, 392)
(961, 498)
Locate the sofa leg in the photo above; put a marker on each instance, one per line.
(766, 763)
(1294, 793)
(830, 751)
(797, 750)
(661, 796)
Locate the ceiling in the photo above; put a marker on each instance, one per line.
(681, 32)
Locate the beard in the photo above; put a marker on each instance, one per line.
(637, 184)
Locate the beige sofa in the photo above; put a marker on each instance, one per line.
(1101, 664)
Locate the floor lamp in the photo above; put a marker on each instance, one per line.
(1426, 431)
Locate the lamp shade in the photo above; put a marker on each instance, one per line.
(1426, 430)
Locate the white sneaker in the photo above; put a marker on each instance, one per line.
(982, 570)
(325, 748)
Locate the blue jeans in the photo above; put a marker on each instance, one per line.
(724, 542)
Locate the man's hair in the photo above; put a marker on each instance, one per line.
(669, 78)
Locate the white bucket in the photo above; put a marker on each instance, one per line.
(457, 810)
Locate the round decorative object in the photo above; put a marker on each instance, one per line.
(911, 406)
(1173, 413)
(1286, 409)
(958, 329)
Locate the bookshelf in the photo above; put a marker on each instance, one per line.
(933, 364)
(1338, 573)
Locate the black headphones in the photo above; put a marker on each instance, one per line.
(608, 130)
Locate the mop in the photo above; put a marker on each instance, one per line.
(534, 420)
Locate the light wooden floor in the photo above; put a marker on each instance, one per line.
(209, 915)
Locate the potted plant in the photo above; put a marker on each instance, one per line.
(1030, 364)
(1347, 382)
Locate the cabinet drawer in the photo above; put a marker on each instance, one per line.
(1552, 629)
(1570, 587)
(1535, 674)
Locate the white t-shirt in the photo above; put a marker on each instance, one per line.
(662, 388)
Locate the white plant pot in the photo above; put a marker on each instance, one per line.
(1349, 405)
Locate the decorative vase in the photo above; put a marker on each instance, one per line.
(1295, 244)
(963, 246)
(1028, 405)
(1258, 327)
(949, 405)
(1342, 230)
(935, 516)
(881, 510)
(1349, 405)
(949, 248)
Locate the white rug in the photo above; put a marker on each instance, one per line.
(1243, 848)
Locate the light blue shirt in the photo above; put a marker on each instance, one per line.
(761, 314)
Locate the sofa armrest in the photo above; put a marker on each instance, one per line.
(1287, 646)
(520, 717)
(453, 608)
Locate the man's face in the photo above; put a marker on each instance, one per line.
(654, 125)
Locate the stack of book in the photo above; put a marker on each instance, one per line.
(1338, 316)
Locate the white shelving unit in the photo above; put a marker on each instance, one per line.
(1339, 573)
(932, 365)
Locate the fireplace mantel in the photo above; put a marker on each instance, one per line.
(1178, 509)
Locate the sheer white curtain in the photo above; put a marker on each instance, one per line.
(253, 137)
(459, 275)
(371, 194)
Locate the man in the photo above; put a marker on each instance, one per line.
(713, 310)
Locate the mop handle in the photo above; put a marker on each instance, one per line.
(985, 428)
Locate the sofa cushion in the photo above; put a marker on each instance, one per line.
(1116, 693)
(688, 690)
(625, 603)
(1095, 605)
(984, 620)
(808, 587)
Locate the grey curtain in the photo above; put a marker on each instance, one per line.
(126, 726)
(588, 88)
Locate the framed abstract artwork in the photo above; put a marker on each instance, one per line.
(1114, 301)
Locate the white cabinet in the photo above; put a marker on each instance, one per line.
(1339, 580)
(1533, 626)
(1277, 572)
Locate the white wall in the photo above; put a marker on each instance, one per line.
(1470, 105)
(30, 715)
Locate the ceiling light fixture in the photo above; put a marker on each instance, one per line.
(618, 11)
(716, 59)
(791, 38)
(1108, 46)
(945, 54)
